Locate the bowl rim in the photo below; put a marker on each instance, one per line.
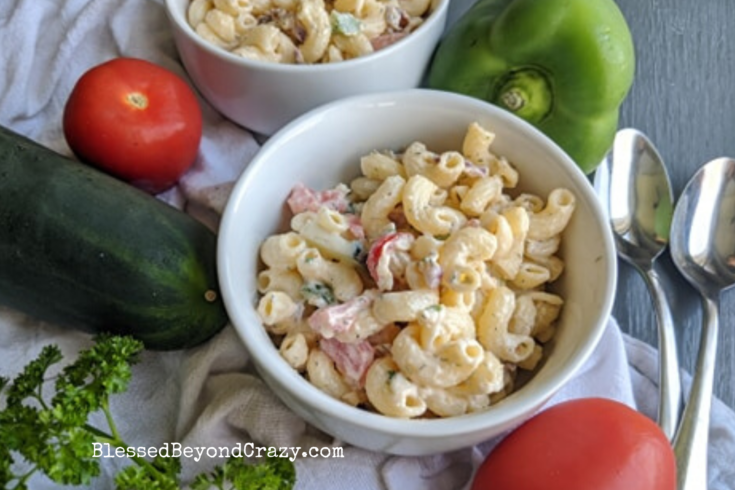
(519, 404)
(437, 16)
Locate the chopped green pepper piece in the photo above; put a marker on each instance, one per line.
(345, 23)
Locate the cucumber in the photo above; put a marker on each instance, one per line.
(79, 248)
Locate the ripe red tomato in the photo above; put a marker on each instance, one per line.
(136, 121)
(589, 443)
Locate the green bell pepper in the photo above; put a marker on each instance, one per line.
(565, 66)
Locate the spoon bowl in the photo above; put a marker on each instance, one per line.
(634, 185)
(641, 197)
(703, 249)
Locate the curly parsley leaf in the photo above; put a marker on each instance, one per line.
(161, 474)
(56, 439)
(29, 382)
(271, 474)
(86, 385)
(6, 461)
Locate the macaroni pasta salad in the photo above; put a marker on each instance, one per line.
(305, 31)
(419, 290)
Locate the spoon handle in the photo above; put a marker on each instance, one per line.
(690, 443)
(669, 404)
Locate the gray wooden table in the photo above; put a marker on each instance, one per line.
(683, 98)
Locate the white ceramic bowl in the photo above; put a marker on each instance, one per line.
(321, 149)
(264, 96)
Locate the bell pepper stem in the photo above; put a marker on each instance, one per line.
(513, 99)
(525, 92)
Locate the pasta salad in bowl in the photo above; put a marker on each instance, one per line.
(305, 31)
(428, 272)
(261, 63)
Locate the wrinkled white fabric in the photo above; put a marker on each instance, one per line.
(210, 396)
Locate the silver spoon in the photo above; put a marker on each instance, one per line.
(634, 186)
(703, 249)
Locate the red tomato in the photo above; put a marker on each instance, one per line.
(584, 444)
(136, 121)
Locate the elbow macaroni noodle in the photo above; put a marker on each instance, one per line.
(423, 290)
(305, 31)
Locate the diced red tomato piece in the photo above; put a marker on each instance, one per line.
(350, 359)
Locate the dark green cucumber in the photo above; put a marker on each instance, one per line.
(82, 249)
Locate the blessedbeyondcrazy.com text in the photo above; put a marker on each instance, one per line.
(239, 450)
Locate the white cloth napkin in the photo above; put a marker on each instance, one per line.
(209, 396)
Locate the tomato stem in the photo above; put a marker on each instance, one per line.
(137, 100)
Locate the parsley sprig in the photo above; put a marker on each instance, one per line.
(53, 436)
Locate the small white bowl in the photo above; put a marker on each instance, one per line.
(263, 96)
(321, 149)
